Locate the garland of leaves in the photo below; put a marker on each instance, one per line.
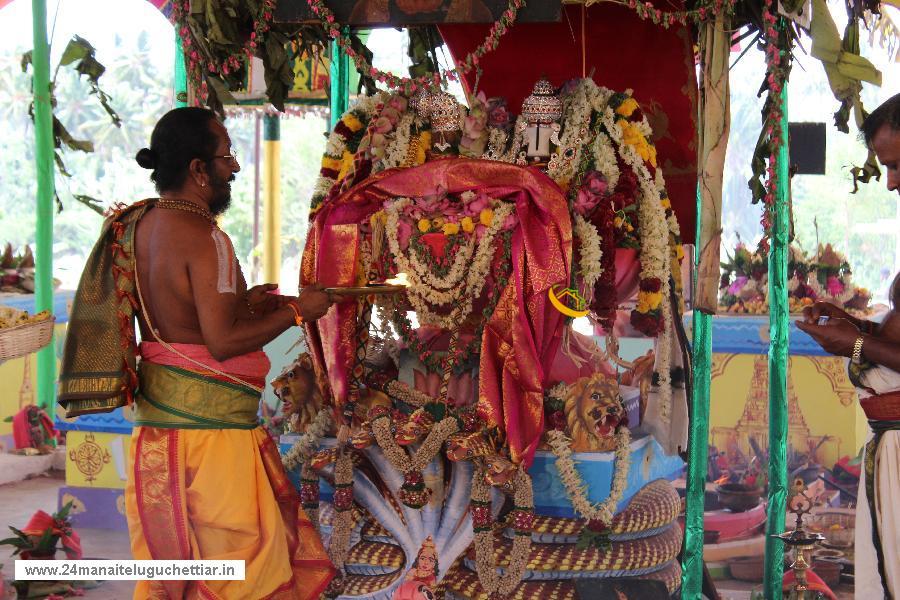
(409, 85)
(666, 19)
(522, 518)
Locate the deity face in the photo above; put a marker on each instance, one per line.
(426, 564)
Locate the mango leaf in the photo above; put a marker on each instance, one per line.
(78, 48)
(26, 60)
(62, 135)
(92, 203)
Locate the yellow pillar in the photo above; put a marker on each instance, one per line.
(271, 255)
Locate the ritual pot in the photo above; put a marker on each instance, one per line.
(747, 568)
(628, 273)
(828, 570)
(738, 497)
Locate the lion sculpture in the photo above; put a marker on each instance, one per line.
(594, 410)
(300, 394)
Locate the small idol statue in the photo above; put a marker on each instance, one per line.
(421, 578)
(542, 111)
(446, 129)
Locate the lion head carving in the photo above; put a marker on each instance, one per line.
(299, 391)
(594, 410)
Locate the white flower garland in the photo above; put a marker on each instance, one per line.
(501, 148)
(576, 489)
(304, 448)
(397, 149)
(589, 268)
(605, 159)
(424, 289)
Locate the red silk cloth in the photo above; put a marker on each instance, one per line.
(252, 367)
(882, 407)
(23, 435)
(41, 522)
(624, 52)
(523, 335)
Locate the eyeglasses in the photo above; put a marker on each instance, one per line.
(232, 157)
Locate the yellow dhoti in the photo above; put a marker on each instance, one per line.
(200, 490)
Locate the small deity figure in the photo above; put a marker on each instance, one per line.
(542, 111)
(446, 129)
(422, 576)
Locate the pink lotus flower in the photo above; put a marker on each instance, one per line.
(510, 222)
(735, 288)
(391, 114)
(398, 103)
(592, 191)
(477, 205)
(498, 116)
(480, 230)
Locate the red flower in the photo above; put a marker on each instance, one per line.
(652, 285)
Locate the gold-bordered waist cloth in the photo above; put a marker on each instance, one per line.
(176, 397)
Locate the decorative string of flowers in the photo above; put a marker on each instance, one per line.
(576, 489)
(666, 19)
(413, 492)
(522, 519)
(775, 78)
(409, 85)
(589, 248)
(425, 290)
(309, 442)
(198, 64)
(339, 543)
(342, 145)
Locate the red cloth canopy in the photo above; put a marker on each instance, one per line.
(624, 52)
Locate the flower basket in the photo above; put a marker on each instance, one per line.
(26, 338)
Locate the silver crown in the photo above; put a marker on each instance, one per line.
(543, 106)
(419, 103)
(444, 112)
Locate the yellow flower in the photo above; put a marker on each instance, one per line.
(352, 123)
(627, 107)
(346, 163)
(666, 203)
(618, 222)
(652, 151)
(486, 217)
(631, 135)
(424, 225)
(468, 225)
(379, 218)
(679, 252)
(438, 222)
(331, 163)
(451, 228)
(424, 144)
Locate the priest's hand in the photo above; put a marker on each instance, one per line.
(836, 337)
(314, 302)
(812, 313)
(261, 301)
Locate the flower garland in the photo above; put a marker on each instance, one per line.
(773, 127)
(666, 19)
(462, 359)
(198, 63)
(576, 489)
(339, 544)
(309, 442)
(589, 247)
(425, 291)
(342, 145)
(522, 518)
(410, 85)
(397, 150)
(413, 492)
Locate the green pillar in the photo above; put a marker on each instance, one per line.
(181, 86)
(340, 82)
(779, 324)
(44, 173)
(698, 442)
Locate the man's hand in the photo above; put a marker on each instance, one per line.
(261, 301)
(812, 313)
(836, 337)
(314, 302)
